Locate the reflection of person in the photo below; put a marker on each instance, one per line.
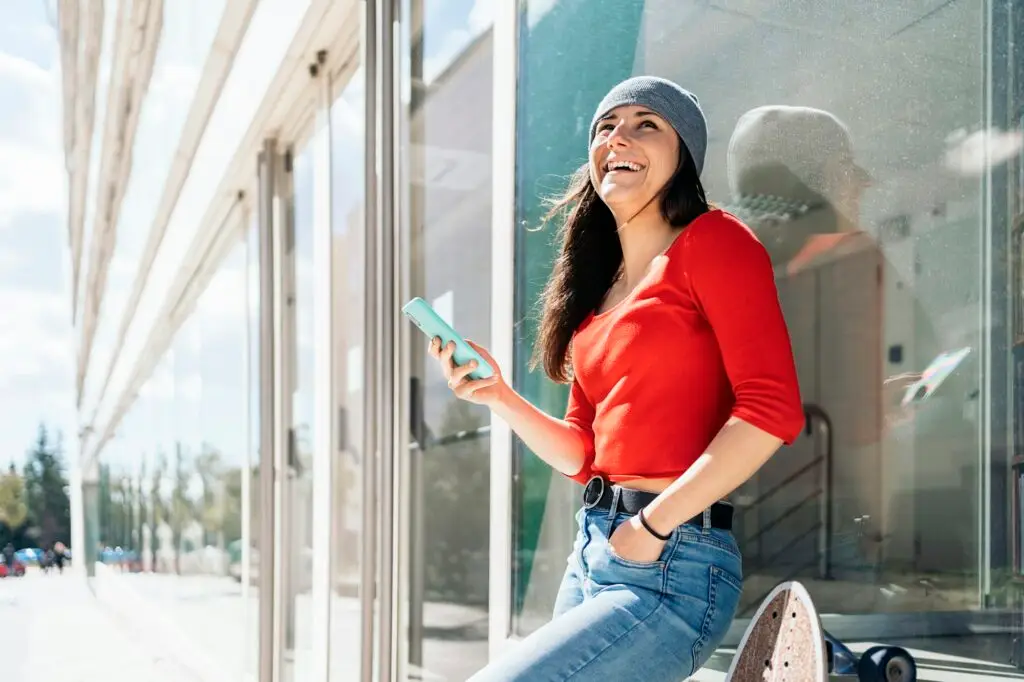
(683, 386)
(861, 330)
(794, 179)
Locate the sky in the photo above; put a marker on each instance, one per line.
(36, 347)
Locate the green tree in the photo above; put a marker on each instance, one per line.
(181, 511)
(46, 490)
(232, 507)
(209, 467)
(104, 504)
(13, 505)
(157, 508)
(141, 510)
(116, 500)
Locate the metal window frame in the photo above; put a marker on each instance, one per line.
(325, 423)
(389, 403)
(371, 353)
(503, 214)
(311, 131)
(267, 407)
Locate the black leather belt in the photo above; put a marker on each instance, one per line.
(599, 493)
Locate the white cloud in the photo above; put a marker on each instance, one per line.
(481, 17)
(31, 159)
(30, 181)
(41, 342)
(8, 262)
(224, 300)
(455, 40)
(37, 92)
(537, 9)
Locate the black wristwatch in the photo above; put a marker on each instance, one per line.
(643, 521)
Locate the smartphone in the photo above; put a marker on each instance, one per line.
(433, 325)
(936, 373)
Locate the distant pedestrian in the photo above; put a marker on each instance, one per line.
(59, 556)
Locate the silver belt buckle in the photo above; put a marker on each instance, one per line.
(592, 494)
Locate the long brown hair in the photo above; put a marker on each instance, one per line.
(591, 256)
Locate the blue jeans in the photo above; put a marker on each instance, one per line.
(616, 619)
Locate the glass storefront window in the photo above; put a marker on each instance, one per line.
(221, 465)
(447, 168)
(173, 489)
(348, 230)
(847, 138)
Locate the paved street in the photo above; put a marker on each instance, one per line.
(51, 626)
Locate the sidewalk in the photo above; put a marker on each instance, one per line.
(53, 626)
(202, 622)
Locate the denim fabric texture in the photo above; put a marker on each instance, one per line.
(616, 619)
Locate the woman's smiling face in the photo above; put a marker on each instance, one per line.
(634, 154)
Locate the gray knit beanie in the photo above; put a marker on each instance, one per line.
(677, 106)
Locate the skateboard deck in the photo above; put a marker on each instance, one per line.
(784, 640)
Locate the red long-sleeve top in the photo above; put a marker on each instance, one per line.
(699, 340)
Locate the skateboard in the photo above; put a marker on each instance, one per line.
(786, 641)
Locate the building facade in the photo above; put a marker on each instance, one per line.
(274, 478)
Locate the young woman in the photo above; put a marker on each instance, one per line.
(663, 314)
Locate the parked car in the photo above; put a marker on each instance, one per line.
(17, 571)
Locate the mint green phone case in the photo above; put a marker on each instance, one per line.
(431, 324)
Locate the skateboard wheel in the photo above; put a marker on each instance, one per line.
(887, 664)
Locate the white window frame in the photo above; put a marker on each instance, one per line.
(505, 65)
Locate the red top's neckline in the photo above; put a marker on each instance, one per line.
(594, 315)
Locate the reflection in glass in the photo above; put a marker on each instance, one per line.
(864, 192)
(449, 171)
(348, 228)
(173, 491)
(188, 30)
(221, 465)
(245, 558)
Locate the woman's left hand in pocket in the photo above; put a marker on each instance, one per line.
(631, 541)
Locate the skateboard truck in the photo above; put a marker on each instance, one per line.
(877, 664)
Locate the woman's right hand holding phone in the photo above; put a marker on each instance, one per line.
(553, 440)
(487, 391)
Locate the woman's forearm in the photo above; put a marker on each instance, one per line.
(735, 454)
(551, 439)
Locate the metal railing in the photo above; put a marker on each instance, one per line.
(818, 426)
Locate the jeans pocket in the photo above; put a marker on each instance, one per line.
(658, 563)
(605, 568)
(724, 592)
